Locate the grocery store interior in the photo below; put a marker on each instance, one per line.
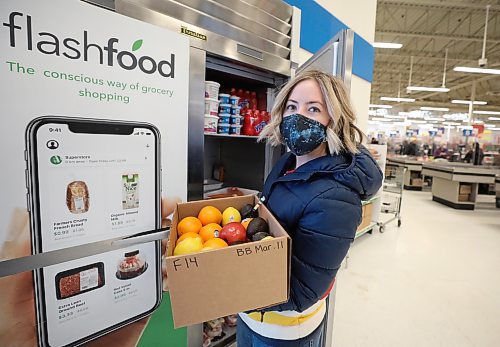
(423, 267)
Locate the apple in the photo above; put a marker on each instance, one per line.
(233, 233)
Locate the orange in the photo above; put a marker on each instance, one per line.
(188, 225)
(209, 231)
(215, 243)
(186, 235)
(246, 221)
(210, 214)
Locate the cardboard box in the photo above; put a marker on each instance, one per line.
(417, 182)
(464, 197)
(217, 283)
(367, 212)
(465, 189)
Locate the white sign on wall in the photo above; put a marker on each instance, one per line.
(112, 94)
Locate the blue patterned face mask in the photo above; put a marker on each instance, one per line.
(301, 134)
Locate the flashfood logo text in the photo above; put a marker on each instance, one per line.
(71, 48)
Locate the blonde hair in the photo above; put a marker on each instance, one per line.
(341, 132)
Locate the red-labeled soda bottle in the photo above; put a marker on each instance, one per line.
(248, 127)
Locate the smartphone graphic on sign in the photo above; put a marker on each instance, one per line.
(90, 180)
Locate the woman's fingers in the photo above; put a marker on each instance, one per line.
(168, 205)
(17, 243)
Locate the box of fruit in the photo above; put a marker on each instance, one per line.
(225, 256)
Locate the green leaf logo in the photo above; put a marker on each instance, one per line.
(137, 44)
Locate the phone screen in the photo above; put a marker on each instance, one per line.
(92, 181)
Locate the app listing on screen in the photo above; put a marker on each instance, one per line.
(94, 187)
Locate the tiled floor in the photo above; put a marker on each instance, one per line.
(433, 282)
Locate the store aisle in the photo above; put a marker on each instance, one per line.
(433, 282)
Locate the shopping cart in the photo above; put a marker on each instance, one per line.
(392, 194)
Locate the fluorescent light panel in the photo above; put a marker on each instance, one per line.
(493, 118)
(451, 123)
(467, 102)
(387, 45)
(476, 70)
(382, 119)
(486, 112)
(426, 108)
(379, 106)
(387, 98)
(393, 117)
(428, 89)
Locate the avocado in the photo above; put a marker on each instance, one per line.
(259, 236)
(247, 211)
(257, 225)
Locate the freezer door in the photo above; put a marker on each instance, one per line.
(334, 57)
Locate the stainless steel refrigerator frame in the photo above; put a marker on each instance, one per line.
(334, 57)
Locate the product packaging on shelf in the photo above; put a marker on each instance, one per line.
(234, 129)
(224, 98)
(211, 124)
(236, 120)
(223, 128)
(211, 106)
(207, 285)
(234, 100)
(212, 89)
(224, 108)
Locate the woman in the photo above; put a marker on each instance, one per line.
(315, 191)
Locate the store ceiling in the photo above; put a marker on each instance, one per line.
(426, 28)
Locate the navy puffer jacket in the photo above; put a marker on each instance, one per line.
(319, 205)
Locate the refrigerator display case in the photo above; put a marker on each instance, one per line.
(249, 45)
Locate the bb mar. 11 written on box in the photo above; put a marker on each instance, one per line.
(220, 282)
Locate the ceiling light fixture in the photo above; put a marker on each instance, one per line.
(441, 89)
(482, 61)
(382, 119)
(387, 98)
(476, 70)
(399, 98)
(493, 118)
(451, 123)
(387, 45)
(439, 119)
(467, 102)
(456, 116)
(487, 112)
(393, 117)
(427, 108)
(379, 106)
(428, 89)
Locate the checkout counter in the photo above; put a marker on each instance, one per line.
(456, 184)
(497, 189)
(412, 179)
